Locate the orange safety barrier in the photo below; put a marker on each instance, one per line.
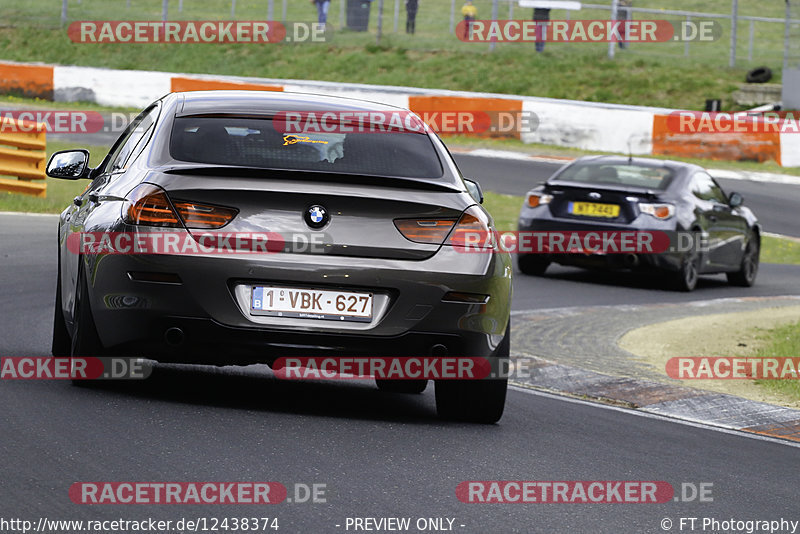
(746, 146)
(32, 81)
(180, 83)
(23, 155)
(491, 107)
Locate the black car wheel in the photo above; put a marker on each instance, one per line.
(401, 386)
(477, 401)
(62, 342)
(532, 265)
(685, 279)
(85, 339)
(746, 275)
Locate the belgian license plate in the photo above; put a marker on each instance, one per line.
(311, 303)
(593, 209)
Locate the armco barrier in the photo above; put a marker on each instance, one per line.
(594, 126)
(23, 155)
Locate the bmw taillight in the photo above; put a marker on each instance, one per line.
(473, 229)
(430, 231)
(149, 205)
(204, 215)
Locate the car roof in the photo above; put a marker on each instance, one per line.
(268, 103)
(678, 167)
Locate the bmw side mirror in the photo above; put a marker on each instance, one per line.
(69, 164)
(474, 189)
(735, 200)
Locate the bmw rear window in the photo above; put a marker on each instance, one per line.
(254, 142)
(630, 175)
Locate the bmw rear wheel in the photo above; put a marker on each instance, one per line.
(477, 401)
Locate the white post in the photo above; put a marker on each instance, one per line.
(283, 12)
(396, 14)
(452, 16)
(612, 45)
(686, 46)
(380, 22)
(493, 43)
(164, 5)
(63, 12)
(233, 9)
(734, 27)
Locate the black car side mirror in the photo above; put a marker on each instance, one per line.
(69, 164)
(474, 189)
(735, 200)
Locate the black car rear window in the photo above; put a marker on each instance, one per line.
(631, 175)
(254, 142)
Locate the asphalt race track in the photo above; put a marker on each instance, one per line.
(378, 454)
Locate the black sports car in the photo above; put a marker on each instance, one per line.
(609, 193)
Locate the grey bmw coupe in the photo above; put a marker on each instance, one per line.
(235, 227)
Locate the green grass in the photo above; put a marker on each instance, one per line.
(783, 342)
(780, 250)
(647, 74)
(504, 209)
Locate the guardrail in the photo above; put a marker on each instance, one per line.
(23, 156)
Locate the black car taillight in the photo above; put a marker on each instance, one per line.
(148, 205)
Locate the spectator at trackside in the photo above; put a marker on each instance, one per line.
(469, 12)
(542, 17)
(411, 15)
(624, 13)
(322, 10)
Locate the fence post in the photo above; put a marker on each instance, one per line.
(493, 42)
(164, 4)
(750, 44)
(786, 33)
(452, 15)
(612, 45)
(341, 13)
(686, 45)
(734, 28)
(396, 13)
(380, 22)
(63, 12)
(283, 11)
